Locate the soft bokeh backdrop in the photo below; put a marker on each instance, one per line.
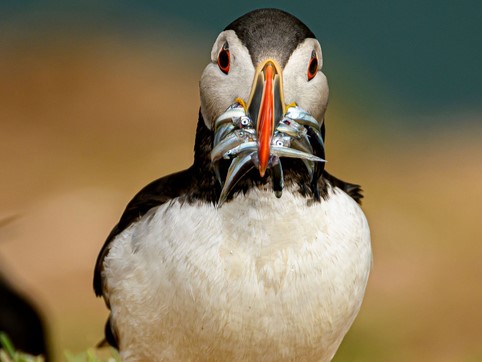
(99, 98)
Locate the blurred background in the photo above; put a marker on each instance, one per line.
(99, 98)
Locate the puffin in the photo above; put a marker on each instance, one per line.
(255, 252)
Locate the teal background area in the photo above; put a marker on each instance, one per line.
(390, 58)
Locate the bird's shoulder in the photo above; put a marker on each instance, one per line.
(154, 194)
(353, 190)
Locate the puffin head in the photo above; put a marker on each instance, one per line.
(264, 96)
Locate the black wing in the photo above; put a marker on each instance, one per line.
(353, 190)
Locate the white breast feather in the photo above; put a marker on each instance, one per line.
(258, 279)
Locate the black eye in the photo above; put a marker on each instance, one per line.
(224, 59)
(313, 66)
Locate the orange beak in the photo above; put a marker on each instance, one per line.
(266, 106)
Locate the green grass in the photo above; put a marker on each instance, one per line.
(92, 356)
(8, 353)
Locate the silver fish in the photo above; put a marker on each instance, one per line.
(292, 153)
(222, 131)
(310, 167)
(231, 141)
(302, 117)
(234, 111)
(295, 136)
(281, 140)
(277, 177)
(239, 167)
(217, 172)
(243, 122)
(244, 147)
(317, 137)
(302, 144)
(234, 139)
(291, 128)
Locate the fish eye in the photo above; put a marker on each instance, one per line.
(279, 143)
(313, 66)
(224, 59)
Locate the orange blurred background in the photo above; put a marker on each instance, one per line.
(90, 115)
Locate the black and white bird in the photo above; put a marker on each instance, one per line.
(254, 252)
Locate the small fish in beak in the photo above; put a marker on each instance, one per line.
(262, 132)
(236, 139)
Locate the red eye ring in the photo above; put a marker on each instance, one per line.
(313, 66)
(224, 59)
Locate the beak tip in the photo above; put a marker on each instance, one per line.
(262, 171)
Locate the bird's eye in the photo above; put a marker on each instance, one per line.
(224, 59)
(313, 66)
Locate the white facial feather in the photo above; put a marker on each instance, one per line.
(311, 95)
(219, 90)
